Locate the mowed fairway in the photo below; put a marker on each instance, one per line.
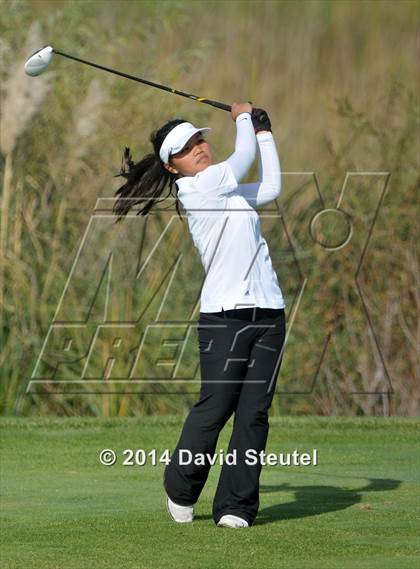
(62, 509)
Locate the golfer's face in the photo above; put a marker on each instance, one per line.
(194, 157)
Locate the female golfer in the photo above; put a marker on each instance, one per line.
(241, 325)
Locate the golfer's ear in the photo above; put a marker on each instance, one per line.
(171, 169)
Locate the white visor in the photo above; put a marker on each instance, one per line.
(176, 140)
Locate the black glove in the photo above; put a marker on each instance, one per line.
(260, 120)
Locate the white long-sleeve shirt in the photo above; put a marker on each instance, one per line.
(225, 227)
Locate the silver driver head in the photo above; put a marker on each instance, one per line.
(39, 61)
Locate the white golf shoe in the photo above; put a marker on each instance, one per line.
(180, 514)
(231, 521)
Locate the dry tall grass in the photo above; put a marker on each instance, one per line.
(339, 82)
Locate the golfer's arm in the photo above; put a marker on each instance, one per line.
(268, 187)
(245, 146)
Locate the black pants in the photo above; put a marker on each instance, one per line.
(240, 356)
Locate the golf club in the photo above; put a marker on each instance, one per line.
(40, 59)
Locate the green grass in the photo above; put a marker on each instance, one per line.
(62, 509)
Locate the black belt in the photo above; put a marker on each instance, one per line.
(249, 314)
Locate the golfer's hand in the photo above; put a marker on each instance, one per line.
(238, 108)
(260, 120)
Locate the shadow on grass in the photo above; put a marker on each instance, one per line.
(316, 500)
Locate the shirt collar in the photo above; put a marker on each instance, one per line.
(184, 182)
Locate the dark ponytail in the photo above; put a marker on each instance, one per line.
(146, 178)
